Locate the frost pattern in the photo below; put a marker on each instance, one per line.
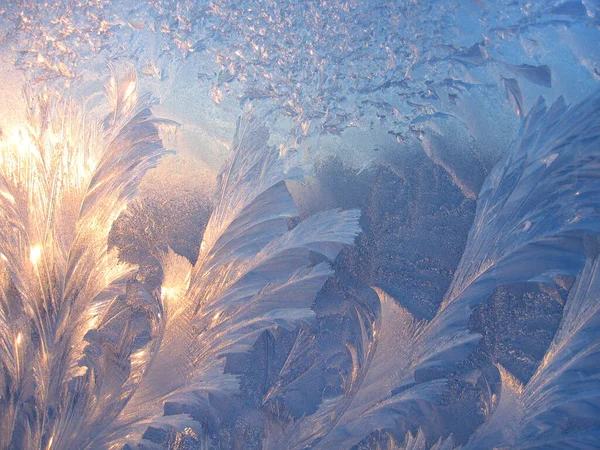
(535, 213)
(565, 386)
(91, 358)
(62, 184)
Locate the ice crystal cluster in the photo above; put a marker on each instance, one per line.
(400, 249)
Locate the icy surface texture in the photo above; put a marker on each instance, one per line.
(359, 225)
(327, 65)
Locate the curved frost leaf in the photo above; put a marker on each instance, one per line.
(252, 274)
(61, 188)
(377, 404)
(566, 386)
(252, 203)
(533, 210)
(381, 390)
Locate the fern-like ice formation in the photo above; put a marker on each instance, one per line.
(62, 184)
(534, 212)
(558, 407)
(253, 273)
(89, 357)
(558, 223)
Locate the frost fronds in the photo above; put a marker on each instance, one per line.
(63, 181)
(390, 363)
(565, 388)
(533, 209)
(380, 390)
(533, 213)
(253, 274)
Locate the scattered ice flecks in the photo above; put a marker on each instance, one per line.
(326, 65)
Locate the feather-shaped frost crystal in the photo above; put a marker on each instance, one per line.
(534, 213)
(253, 273)
(90, 358)
(64, 180)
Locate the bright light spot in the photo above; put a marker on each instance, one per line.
(549, 159)
(190, 432)
(92, 322)
(216, 316)
(21, 140)
(35, 253)
(19, 338)
(130, 89)
(166, 292)
(3, 257)
(7, 196)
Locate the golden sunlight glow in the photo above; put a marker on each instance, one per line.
(130, 95)
(92, 322)
(140, 355)
(19, 338)
(130, 88)
(7, 196)
(20, 139)
(16, 151)
(190, 432)
(66, 153)
(35, 253)
(215, 319)
(177, 271)
(19, 159)
(167, 292)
